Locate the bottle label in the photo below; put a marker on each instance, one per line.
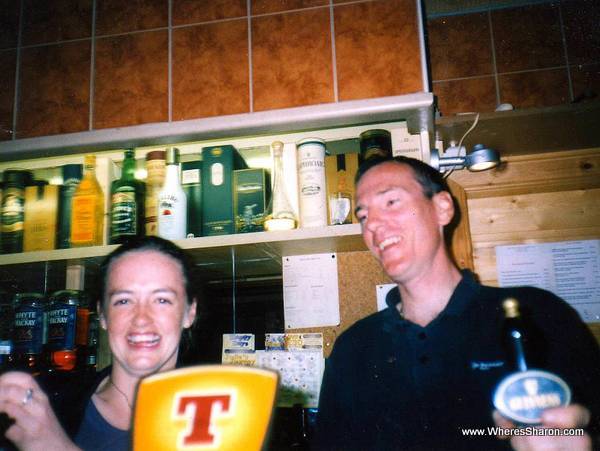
(29, 330)
(83, 223)
(151, 206)
(172, 216)
(123, 213)
(13, 210)
(155, 170)
(62, 324)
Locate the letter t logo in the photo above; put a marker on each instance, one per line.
(201, 412)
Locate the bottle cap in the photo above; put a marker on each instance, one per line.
(17, 177)
(72, 171)
(155, 155)
(172, 155)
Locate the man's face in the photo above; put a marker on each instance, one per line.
(402, 228)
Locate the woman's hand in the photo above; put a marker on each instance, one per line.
(36, 427)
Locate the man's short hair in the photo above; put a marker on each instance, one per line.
(431, 181)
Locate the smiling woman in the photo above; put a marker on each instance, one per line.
(146, 303)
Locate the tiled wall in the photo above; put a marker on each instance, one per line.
(531, 56)
(77, 65)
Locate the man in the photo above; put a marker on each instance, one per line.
(414, 375)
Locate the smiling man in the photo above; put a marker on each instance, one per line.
(420, 373)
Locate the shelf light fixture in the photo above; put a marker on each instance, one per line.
(480, 158)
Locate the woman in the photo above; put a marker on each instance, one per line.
(146, 302)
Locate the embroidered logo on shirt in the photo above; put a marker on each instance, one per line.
(484, 366)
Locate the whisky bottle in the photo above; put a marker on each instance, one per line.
(340, 202)
(87, 218)
(172, 202)
(127, 203)
(523, 395)
(155, 179)
(71, 177)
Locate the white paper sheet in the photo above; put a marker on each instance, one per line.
(382, 291)
(310, 291)
(300, 375)
(570, 269)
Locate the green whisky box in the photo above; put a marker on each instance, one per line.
(191, 182)
(251, 193)
(218, 164)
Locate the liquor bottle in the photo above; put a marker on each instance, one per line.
(282, 215)
(7, 319)
(12, 210)
(375, 143)
(340, 202)
(172, 202)
(155, 179)
(311, 182)
(30, 331)
(126, 203)
(87, 218)
(71, 177)
(64, 323)
(523, 395)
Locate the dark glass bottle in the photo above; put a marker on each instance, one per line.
(29, 331)
(375, 143)
(12, 210)
(127, 210)
(7, 319)
(514, 334)
(71, 174)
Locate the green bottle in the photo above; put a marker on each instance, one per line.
(126, 203)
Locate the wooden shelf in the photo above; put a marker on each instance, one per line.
(527, 131)
(253, 254)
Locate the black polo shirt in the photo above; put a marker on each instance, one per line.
(391, 384)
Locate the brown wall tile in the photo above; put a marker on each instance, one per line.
(460, 46)
(118, 16)
(586, 82)
(194, 11)
(56, 20)
(54, 89)
(273, 6)
(535, 89)
(380, 59)
(527, 38)
(210, 70)
(9, 23)
(291, 59)
(131, 80)
(8, 63)
(468, 95)
(582, 30)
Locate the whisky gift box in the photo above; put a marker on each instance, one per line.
(191, 182)
(218, 164)
(251, 192)
(41, 212)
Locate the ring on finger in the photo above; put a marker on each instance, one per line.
(27, 397)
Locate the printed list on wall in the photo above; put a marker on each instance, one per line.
(569, 269)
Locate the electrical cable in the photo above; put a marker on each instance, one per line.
(473, 125)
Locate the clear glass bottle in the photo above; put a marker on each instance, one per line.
(340, 202)
(172, 201)
(282, 215)
(87, 218)
(126, 203)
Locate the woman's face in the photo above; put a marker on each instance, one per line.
(145, 311)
